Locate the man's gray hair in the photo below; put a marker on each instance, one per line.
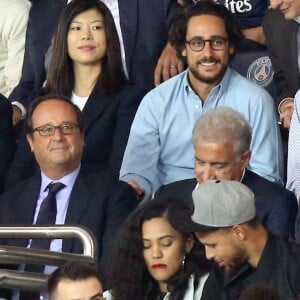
(223, 125)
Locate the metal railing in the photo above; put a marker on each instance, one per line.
(15, 279)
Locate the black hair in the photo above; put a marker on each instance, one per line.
(128, 277)
(74, 271)
(60, 78)
(178, 30)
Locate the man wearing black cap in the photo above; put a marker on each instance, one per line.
(224, 221)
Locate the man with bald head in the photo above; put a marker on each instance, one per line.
(221, 140)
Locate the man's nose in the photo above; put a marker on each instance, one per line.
(205, 172)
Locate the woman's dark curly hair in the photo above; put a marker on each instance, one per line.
(128, 277)
(178, 30)
(60, 78)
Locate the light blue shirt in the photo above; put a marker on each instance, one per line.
(159, 148)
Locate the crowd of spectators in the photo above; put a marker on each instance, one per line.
(110, 108)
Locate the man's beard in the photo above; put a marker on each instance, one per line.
(237, 259)
(208, 79)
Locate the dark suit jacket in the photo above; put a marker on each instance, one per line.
(7, 137)
(281, 40)
(276, 207)
(107, 121)
(96, 201)
(144, 26)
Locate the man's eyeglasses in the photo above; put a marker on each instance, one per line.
(65, 128)
(216, 43)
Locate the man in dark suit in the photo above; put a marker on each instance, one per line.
(55, 134)
(281, 30)
(144, 27)
(221, 139)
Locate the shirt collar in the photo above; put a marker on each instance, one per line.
(67, 180)
(221, 87)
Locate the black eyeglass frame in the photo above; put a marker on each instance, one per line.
(210, 41)
(71, 128)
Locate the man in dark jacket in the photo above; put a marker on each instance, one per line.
(221, 139)
(224, 221)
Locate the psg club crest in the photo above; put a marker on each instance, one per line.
(261, 71)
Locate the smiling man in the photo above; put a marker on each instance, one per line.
(62, 192)
(159, 148)
(224, 221)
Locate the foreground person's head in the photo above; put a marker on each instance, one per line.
(75, 281)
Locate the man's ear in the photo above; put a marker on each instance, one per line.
(239, 232)
(246, 158)
(29, 138)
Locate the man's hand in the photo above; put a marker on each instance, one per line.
(168, 65)
(286, 111)
(17, 115)
(139, 191)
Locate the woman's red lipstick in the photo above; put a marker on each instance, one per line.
(159, 266)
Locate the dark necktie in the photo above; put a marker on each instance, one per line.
(46, 216)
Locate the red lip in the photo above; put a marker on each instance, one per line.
(159, 266)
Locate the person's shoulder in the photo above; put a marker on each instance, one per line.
(105, 182)
(179, 188)
(289, 250)
(21, 187)
(269, 189)
(250, 90)
(236, 77)
(166, 90)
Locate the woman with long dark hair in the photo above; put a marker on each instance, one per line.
(153, 259)
(86, 51)
(86, 66)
